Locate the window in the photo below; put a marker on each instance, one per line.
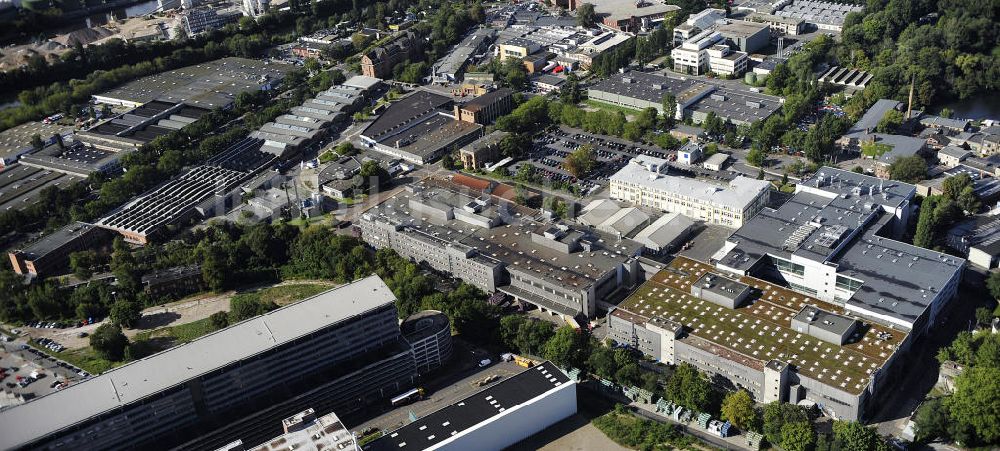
(787, 266)
(848, 284)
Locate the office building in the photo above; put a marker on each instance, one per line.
(483, 151)
(644, 181)
(378, 62)
(306, 431)
(429, 335)
(777, 344)
(695, 98)
(832, 241)
(486, 108)
(493, 419)
(490, 242)
(747, 37)
(420, 128)
(50, 254)
(340, 350)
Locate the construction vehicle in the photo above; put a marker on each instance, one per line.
(524, 361)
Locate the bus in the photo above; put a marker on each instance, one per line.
(408, 397)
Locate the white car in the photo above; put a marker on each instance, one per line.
(484, 363)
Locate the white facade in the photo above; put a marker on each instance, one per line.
(515, 424)
(724, 61)
(644, 182)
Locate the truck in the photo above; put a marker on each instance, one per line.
(408, 397)
(524, 361)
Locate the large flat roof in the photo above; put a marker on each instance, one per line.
(761, 330)
(56, 239)
(624, 9)
(433, 429)
(739, 193)
(137, 380)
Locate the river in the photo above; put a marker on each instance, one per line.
(980, 106)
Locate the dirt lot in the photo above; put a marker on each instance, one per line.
(572, 434)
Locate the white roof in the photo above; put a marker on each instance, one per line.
(664, 230)
(143, 378)
(740, 192)
(717, 159)
(624, 221)
(598, 211)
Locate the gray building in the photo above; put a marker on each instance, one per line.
(760, 344)
(744, 35)
(429, 335)
(695, 98)
(498, 246)
(340, 350)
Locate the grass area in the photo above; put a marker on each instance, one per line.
(181, 333)
(85, 359)
(875, 150)
(627, 430)
(302, 222)
(287, 294)
(613, 108)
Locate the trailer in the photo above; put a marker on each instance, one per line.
(408, 397)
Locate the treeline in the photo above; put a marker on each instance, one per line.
(951, 55)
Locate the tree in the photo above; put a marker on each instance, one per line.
(952, 187)
(669, 107)
(797, 436)
(214, 268)
(123, 266)
(565, 348)
(993, 284)
(756, 157)
(125, 313)
(245, 306)
(81, 263)
(856, 437)
(372, 175)
(737, 408)
(911, 169)
(219, 320)
(931, 421)
(890, 122)
(581, 161)
(570, 90)
(689, 388)
(36, 141)
(984, 315)
(586, 16)
(776, 415)
(924, 234)
(109, 342)
(975, 403)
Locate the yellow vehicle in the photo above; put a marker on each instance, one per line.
(523, 361)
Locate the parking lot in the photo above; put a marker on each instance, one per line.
(31, 373)
(549, 151)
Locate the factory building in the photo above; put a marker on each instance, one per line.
(50, 254)
(777, 344)
(644, 182)
(340, 350)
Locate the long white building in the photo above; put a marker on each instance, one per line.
(644, 181)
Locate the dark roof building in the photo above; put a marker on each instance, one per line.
(51, 253)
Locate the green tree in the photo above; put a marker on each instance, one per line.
(856, 437)
(993, 284)
(581, 161)
(797, 436)
(36, 141)
(924, 234)
(372, 175)
(776, 415)
(669, 107)
(125, 313)
(245, 306)
(82, 263)
(984, 315)
(952, 187)
(890, 122)
(219, 320)
(124, 267)
(586, 16)
(975, 403)
(566, 347)
(737, 408)
(689, 388)
(911, 169)
(109, 342)
(756, 157)
(931, 421)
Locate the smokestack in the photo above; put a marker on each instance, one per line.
(909, 106)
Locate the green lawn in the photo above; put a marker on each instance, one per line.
(612, 108)
(287, 294)
(85, 359)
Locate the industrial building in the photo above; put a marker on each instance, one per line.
(204, 191)
(210, 85)
(666, 233)
(173, 282)
(209, 17)
(979, 239)
(645, 181)
(607, 216)
(451, 68)
(340, 350)
(50, 254)
(307, 431)
(16, 141)
(853, 79)
(486, 108)
(558, 45)
(777, 344)
(419, 128)
(483, 151)
(832, 241)
(378, 62)
(496, 245)
(626, 15)
(429, 335)
(493, 419)
(823, 15)
(695, 98)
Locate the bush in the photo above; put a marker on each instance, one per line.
(109, 342)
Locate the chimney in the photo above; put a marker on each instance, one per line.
(909, 106)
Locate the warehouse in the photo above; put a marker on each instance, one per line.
(420, 128)
(493, 419)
